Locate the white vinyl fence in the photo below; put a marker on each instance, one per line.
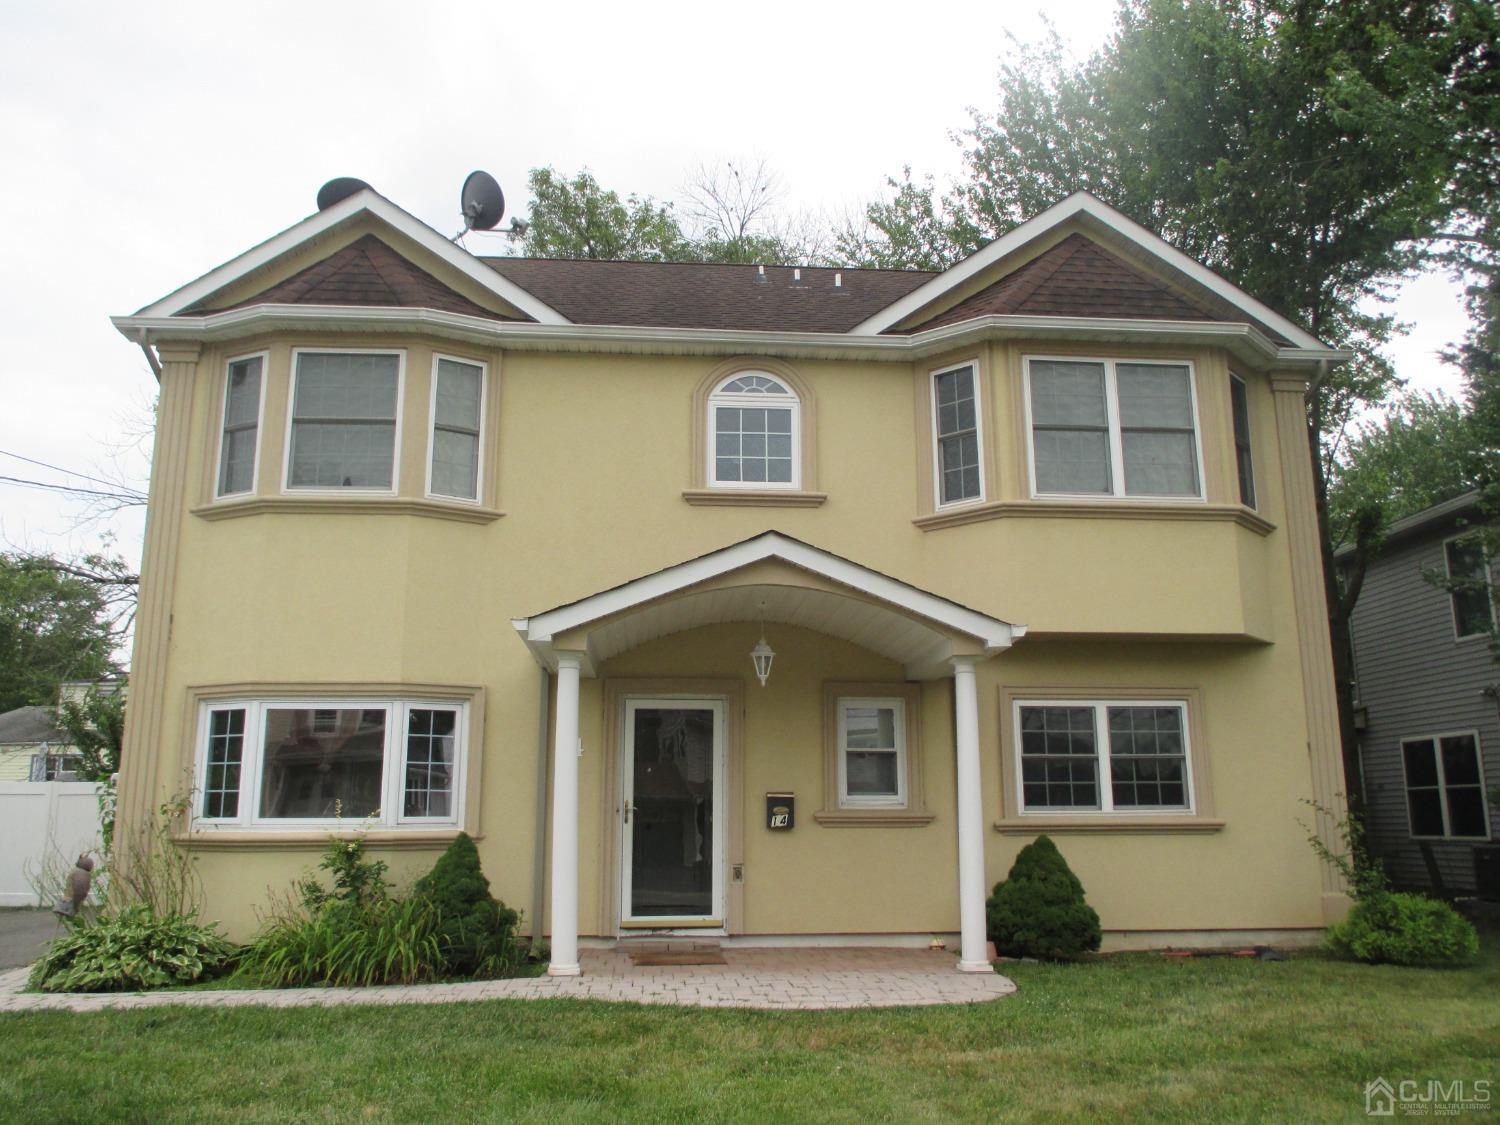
(44, 826)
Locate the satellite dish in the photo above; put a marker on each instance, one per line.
(334, 191)
(483, 201)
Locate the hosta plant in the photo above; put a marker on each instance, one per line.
(131, 950)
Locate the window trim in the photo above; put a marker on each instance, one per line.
(260, 425)
(477, 500)
(1100, 705)
(938, 503)
(1488, 566)
(717, 397)
(913, 812)
(287, 488)
(1442, 785)
(397, 707)
(1234, 441)
(1117, 495)
(845, 799)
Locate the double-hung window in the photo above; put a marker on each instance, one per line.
(956, 438)
(238, 437)
(344, 420)
(1469, 587)
(457, 426)
(871, 752)
(1114, 757)
(755, 438)
(267, 764)
(1104, 427)
(1445, 794)
(1239, 401)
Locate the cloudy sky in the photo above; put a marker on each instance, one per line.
(148, 142)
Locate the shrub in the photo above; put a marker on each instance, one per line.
(1404, 929)
(1039, 910)
(134, 949)
(477, 931)
(347, 943)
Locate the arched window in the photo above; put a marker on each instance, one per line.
(754, 433)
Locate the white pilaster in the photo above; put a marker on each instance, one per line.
(564, 961)
(971, 917)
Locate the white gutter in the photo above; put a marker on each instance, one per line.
(1246, 340)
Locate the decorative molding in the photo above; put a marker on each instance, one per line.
(872, 818)
(1114, 510)
(914, 813)
(753, 498)
(807, 446)
(390, 839)
(1084, 824)
(347, 506)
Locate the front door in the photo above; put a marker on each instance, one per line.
(673, 813)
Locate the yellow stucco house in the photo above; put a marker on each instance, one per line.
(782, 605)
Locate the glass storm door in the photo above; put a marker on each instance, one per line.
(673, 812)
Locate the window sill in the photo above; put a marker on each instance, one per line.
(250, 840)
(1096, 509)
(872, 818)
(346, 505)
(1124, 825)
(754, 497)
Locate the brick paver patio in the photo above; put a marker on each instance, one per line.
(808, 979)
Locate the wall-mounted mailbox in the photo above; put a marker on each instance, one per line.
(781, 811)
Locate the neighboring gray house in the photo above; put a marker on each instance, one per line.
(33, 747)
(1428, 704)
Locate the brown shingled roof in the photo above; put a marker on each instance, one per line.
(1077, 277)
(707, 295)
(366, 272)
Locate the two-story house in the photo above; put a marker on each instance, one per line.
(1429, 701)
(783, 605)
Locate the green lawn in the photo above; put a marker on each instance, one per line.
(1206, 1039)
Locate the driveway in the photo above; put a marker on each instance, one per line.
(23, 932)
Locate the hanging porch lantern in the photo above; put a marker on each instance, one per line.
(761, 656)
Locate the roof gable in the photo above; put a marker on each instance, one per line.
(29, 726)
(366, 272)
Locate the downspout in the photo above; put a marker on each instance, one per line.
(543, 776)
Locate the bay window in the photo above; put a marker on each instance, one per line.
(457, 417)
(239, 436)
(1103, 757)
(956, 437)
(344, 420)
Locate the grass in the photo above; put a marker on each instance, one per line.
(1127, 1037)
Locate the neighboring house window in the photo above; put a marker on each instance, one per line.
(1086, 756)
(871, 752)
(754, 431)
(1239, 398)
(1113, 428)
(344, 420)
(457, 420)
(290, 764)
(55, 767)
(237, 441)
(1445, 795)
(955, 420)
(1473, 611)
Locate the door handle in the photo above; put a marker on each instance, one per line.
(627, 810)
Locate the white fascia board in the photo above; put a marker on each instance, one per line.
(1082, 203)
(995, 634)
(366, 200)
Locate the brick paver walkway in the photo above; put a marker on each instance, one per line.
(752, 978)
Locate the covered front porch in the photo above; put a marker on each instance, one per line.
(709, 802)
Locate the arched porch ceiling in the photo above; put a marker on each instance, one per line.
(781, 580)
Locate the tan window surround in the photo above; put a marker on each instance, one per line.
(317, 838)
(914, 813)
(410, 497)
(700, 490)
(1014, 822)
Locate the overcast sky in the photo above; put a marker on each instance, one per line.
(147, 143)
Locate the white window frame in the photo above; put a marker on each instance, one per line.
(291, 399)
(719, 397)
(1234, 440)
(938, 503)
(846, 801)
(1442, 782)
(1116, 444)
(484, 386)
(1464, 638)
(1105, 784)
(393, 786)
(260, 424)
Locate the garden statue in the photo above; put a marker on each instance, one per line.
(77, 889)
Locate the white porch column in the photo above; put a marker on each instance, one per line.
(564, 961)
(972, 957)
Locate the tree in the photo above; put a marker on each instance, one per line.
(733, 210)
(96, 729)
(54, 626)
(576, 218)
(1311, 151)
